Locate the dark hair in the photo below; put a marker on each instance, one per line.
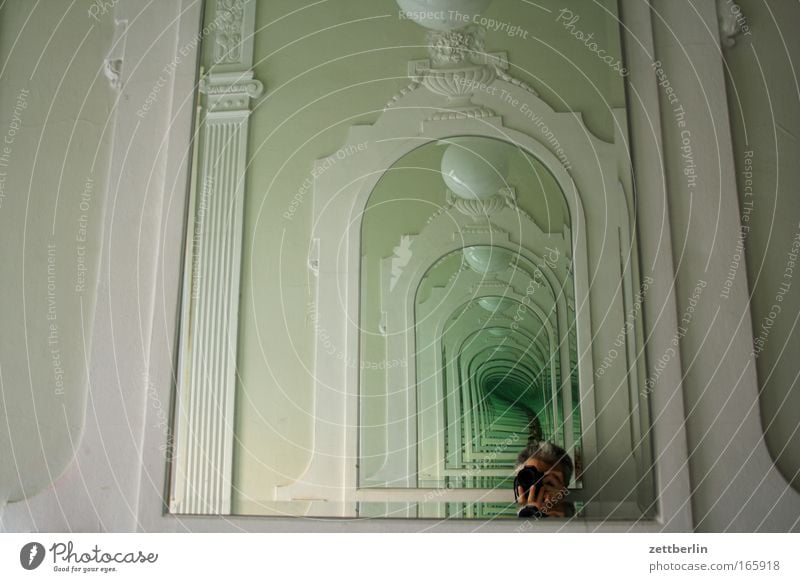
(549, 453)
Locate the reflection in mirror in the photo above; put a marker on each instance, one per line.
(469, 299)
(435, 274)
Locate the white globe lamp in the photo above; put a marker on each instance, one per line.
(487, 260)
(475, 169)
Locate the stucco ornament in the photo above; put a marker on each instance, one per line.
(458, 65)
(229, 19)
(457, 47)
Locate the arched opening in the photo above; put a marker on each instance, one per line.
(468, 298)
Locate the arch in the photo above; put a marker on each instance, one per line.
(341, 195)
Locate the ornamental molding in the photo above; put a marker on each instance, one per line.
(112, 64)
(230, 91)
(203, 461)
(484, 209)
(228, 38)
(458, 67)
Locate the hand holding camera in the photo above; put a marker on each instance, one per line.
(539, 493)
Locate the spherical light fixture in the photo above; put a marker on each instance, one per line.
(499, 331)
(487, 260)
(491, 304)
(475, 169)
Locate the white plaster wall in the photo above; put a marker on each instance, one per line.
(764, 99)
(736, 486)
(55, 109)
(99, 490)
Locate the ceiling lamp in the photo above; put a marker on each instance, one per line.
(475, 169)
(487, 260)
(491, 304)
(500, 331)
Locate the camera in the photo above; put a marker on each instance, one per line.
(528, 477)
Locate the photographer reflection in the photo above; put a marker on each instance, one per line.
(540, 486)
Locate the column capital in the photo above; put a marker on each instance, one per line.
(230, 91)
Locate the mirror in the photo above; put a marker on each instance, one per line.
(468, 347)
(429, 282)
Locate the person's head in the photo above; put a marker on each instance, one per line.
(546, 456)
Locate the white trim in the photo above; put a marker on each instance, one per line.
(204, 425)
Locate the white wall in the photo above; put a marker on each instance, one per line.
(99, 490)
(56, 127)
(765, 115)
(735, 485)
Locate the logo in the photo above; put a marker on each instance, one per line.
(31, 555)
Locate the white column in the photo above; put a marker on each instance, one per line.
(202, 465)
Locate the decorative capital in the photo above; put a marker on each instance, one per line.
(230, 91)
